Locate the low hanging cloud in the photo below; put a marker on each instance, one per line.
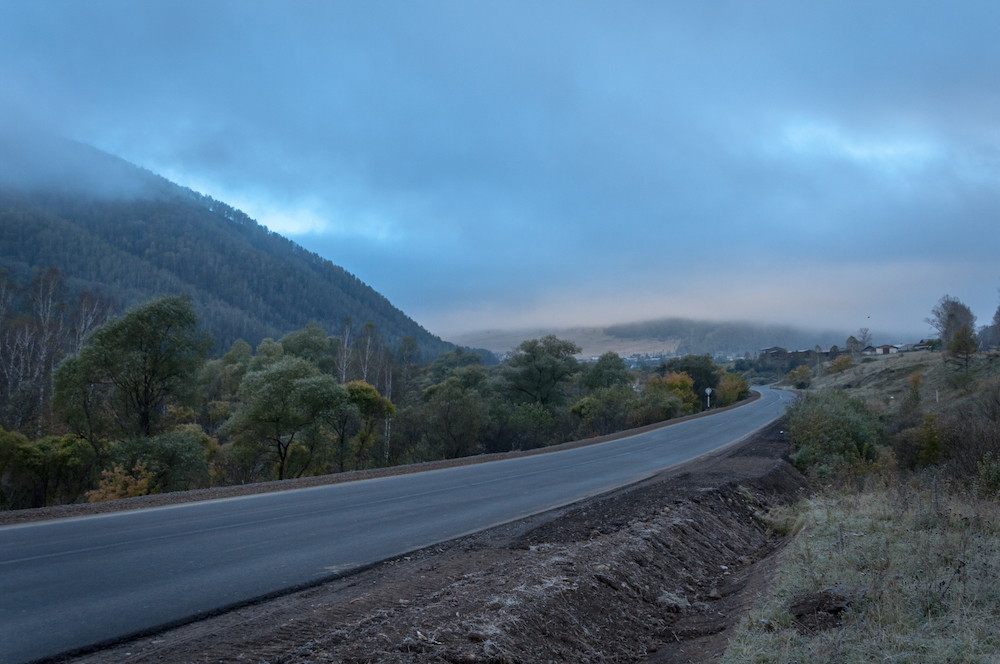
(536, 164)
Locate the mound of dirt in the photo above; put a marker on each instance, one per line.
(658, 571)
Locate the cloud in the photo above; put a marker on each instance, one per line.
(486, 163)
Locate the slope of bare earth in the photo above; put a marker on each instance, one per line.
(659, 571)
(593, 341)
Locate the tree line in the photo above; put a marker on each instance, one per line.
(139, 403)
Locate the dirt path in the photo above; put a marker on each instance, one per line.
(655, 572)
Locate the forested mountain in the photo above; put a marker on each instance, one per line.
(110, 226)
(698, 337)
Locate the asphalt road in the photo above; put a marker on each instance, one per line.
(72, 583)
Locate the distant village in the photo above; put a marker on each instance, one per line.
(641, 360)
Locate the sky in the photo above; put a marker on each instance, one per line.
(506, 165)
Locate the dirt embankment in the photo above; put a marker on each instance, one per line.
(656, 572)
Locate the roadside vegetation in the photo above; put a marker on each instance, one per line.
(93, 408)
(894, 558)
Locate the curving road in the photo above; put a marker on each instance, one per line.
(72, 583)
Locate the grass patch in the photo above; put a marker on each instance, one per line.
(917, 562)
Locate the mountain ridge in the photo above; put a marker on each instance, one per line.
(111, 225)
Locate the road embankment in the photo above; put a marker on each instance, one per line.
(658, 571)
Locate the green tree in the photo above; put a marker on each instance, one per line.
(539, 368)
(679, 385)
(177, 460)
(829, 427)
(372, 408)
(948, 316)
(311, 343)
(963, 346)
(529, 425)
(131, 366)
(48, 471)
(445, 363)
(702, 370)
(608, 371)
(458, 413)
(280, 402)
(930, 441)
(605, 411)
(655, 406)
(219, 380)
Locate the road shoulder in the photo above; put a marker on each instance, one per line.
(659, 570)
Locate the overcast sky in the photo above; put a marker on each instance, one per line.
(506, 165)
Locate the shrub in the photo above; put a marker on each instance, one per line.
(800, 377)
(177, 460)
(830, 427)
(119, 483)
(678, 384)
(654, 406)
(605, 411)
(989, 474)
(841, 364)
(731, 389)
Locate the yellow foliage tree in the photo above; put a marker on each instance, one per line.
(840, 364)
(678, 384)
(731, 389)
(800, 377)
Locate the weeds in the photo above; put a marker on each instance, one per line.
(917, 563)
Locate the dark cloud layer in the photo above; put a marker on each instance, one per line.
(514, 164)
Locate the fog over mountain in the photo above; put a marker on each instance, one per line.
(518, 165)
(131, 235)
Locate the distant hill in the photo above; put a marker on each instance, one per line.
(673, 336)
(729, 338)
(112, 226)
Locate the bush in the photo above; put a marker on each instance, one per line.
(119, 483)
(989, 474)
(732, 388)
(841, 364)
(655, 406)
(177, 460)
(50, 471)
(605, 411)
(800, 377)
(679, 385)
(829, 427)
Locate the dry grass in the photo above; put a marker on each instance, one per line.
(919, 563)
(884, 380)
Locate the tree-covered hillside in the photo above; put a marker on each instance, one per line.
(113, 227)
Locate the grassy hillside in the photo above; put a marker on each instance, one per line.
(885, 380)
(135, 235)
(894, 557)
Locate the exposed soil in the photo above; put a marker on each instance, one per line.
(656, 572)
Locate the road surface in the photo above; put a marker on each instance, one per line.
(73, 583)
